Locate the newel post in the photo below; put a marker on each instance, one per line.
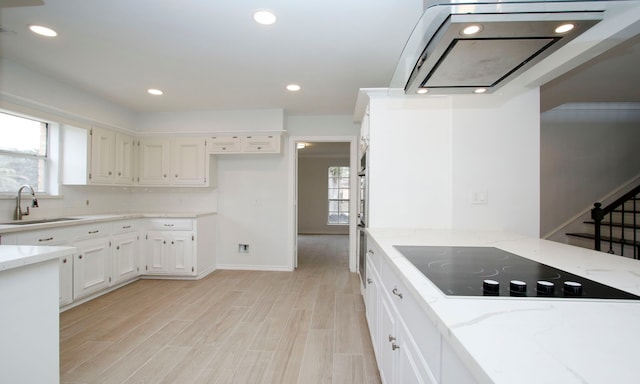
(597, 216)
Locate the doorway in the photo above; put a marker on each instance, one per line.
(309, 193)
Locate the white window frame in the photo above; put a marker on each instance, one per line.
(329, 200)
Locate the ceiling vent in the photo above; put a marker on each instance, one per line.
(446, 58)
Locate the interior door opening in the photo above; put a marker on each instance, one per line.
(324, 190)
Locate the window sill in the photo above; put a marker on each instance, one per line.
(25, 196)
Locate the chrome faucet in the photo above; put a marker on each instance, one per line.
(34, 202)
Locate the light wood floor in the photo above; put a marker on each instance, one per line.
(306, 326)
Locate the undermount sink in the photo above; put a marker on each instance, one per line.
(43, 221)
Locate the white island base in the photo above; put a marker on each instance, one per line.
(29, 314)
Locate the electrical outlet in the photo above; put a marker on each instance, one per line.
(243, 248)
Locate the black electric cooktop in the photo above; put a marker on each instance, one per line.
(489, 271)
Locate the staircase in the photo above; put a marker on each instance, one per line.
(614, 228)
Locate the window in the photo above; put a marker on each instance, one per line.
(338, 195)
(23, 153)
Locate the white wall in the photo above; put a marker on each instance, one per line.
(312, 194)
(496, 154)
(211, 121)
(429, 155)
(252, 209)
(587, 152)
(409, 160)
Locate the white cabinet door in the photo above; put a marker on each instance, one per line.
(124, 159)
(66, 280)
(125, 257)
(388, 341)
(372, 305)
(102, 156)
(156, 253)
(170, 253)
(188, 162)
(410, 368)
(155, 157)
(181, 162)
(180, 253)
(91, 267)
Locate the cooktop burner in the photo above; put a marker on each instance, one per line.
(489, 271)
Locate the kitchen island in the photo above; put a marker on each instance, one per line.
(29, 319)
(504, 339)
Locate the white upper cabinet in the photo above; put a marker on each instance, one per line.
(173, 161)
(246, 143)
(124, 161)
(108, 157)
(154, 162)
(225, 144)
(188, 162)
(103, 161)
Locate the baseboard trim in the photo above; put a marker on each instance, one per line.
(254, 267)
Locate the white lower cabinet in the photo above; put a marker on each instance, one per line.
(169, 247)
(169, 253)
(91, 267)
(407, 344)
(125, 251)
(112, 253)
(66, 280)
(53, 237)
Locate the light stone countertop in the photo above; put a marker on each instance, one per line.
(532, 340)
(6, 227)
(16, 256)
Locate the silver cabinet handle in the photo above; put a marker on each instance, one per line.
(369, 280)
(395, 292)
(168, 225)
(394, 346)
(370, 251)
(46, 239)
(391, 338)
(126, 226)
(93, 232)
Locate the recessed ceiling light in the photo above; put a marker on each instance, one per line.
(480, 90)
(43, 31)
(422, 91)
(564, 28)
(301, 145)
(471, 30)
(293, 87)
(264, 17)
(155, 92)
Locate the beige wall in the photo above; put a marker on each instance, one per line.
(312, 195)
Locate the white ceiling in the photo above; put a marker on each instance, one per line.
(209, 55)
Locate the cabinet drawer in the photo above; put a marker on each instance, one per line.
(374, 254)
(423, 330)
(50, 236)
(90, 231)
(261, 144)
(225, 144)
(171, 224)
(125, 226)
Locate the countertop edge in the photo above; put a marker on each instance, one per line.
(97, 218)
(17, 256)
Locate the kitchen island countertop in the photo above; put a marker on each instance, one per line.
(531, 340)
